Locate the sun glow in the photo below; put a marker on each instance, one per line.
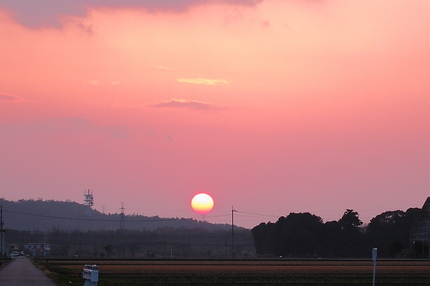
(202, 203)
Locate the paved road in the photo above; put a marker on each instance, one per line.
(21, 272)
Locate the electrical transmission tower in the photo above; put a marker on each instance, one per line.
(121, 218)
(122, 229)
(89, 199)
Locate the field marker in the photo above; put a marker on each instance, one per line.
(374, 256)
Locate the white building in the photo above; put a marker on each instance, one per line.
(38, 249)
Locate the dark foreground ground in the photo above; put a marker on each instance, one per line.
(243, 272)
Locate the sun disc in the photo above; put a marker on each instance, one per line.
(202, 203)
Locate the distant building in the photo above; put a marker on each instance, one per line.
(420, 231)
(38, 249)
(13, 248)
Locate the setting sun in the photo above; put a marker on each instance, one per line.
(202, 203)
(152, 102)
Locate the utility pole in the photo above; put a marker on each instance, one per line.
(122, 218)
(122, 228)
(232, 231)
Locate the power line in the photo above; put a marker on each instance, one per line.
(129, 219)
(91, 219)
(218, 215)
(266, 215)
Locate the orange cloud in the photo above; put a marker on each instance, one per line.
(164, 68)
(96, 82)
(202, 81)
(182, 103)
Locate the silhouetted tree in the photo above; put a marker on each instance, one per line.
(298, 234)
(418, 248)
(350, 219)
(390, 231)
(395, 248)
(108, 249)
(330, 239)
(264, 238)
(295, 235)
(305, 235)
(351, 241)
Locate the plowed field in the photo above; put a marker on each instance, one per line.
(245, 272)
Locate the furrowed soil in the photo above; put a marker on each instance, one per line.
(242, 272)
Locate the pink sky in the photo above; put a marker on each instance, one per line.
(270, 106)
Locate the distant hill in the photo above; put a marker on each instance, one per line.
(46, 215)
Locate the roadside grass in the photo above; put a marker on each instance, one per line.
(4, 261)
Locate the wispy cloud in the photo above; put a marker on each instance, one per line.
(97, 82)
(203, 81)
(164, 68)
(10, 98)
(94, 82)
(41, 13)
(190, 104)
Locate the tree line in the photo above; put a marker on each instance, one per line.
(43, 215)
(306, 235)
(91, 233)
(163, 242)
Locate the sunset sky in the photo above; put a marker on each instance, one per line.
(270, 106)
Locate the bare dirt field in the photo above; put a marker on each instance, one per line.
(244, 272)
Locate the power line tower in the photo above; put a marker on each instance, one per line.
(122, 229)
(122, 218)
(89, 198)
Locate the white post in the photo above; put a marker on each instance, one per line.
(374, 256)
